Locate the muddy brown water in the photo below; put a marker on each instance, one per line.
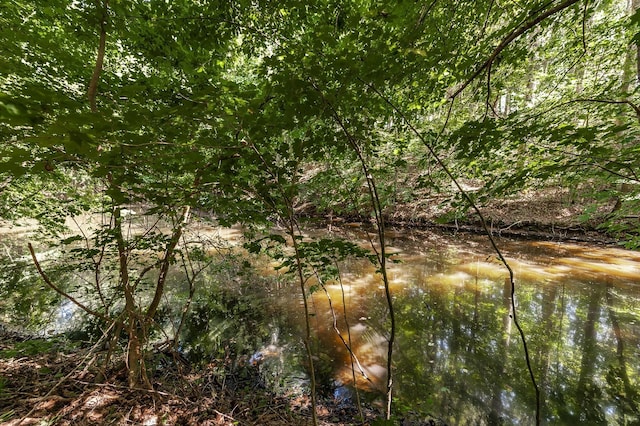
(458, 355)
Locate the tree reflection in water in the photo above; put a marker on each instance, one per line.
(457, 355)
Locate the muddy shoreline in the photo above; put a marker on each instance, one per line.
(517, 230)
(521, 231)
(548, 215)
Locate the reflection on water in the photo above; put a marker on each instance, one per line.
(459, 356)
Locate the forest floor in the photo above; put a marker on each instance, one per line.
(61, 387)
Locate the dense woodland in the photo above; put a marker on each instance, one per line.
(127, 124)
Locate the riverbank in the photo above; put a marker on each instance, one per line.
(550, 215)
(62, 382)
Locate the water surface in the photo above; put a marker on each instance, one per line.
(460, 357)
(458, 354)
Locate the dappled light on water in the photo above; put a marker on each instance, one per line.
(458, 353)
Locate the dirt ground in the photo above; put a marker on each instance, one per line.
(63, 389)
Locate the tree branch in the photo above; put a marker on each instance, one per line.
(166, 262)
(514, 34)
(486, 20)
(483, 222)
(95, 77)
(61, 292)
(584, 26)
(635, 107)
(382, 255)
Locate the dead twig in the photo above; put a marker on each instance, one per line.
(61, 292)
(64, 379)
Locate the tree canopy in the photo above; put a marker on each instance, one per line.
(255, 111)
(128, 91)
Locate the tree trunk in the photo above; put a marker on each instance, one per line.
(631, 66)
(136, 374)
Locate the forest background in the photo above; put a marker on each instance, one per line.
(265, 113)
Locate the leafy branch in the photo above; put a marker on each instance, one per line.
(506, 41)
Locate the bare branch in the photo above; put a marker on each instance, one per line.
(424, 12)
(166, 262)
(64, 294)
(635, 107)
(584, 26)
(513, 35)
(473, 205)
(382, 255)
(486, 19)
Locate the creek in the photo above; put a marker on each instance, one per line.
(458, 354)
